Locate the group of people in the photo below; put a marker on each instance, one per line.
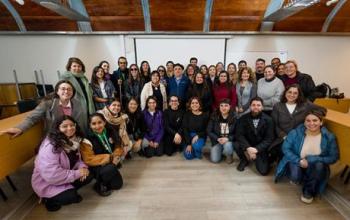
(265, 116)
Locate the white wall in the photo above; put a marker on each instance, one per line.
(323, 57)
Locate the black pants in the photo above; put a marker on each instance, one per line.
(275, 153)
(108, 175)
(67, 197)
(169, 146)
(261, 162)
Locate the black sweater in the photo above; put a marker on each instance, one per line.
(135, 125)
(197, 90)
(194, 123)
(173, 121)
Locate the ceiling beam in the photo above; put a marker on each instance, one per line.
(61, 9)
(207, 15)
(146, 15)
(293, 7)
(273, 6)
(331, 15)
(15, 15)
(78, 5)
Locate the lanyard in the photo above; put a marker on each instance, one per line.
(103, 139)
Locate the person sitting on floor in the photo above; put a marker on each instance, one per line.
(254, 136)
(308, 151)
(58, 169)
(103, 155)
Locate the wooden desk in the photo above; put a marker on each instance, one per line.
(340, 105)
(17, 151)
(339, 124)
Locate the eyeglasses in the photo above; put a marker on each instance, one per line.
(133, 69)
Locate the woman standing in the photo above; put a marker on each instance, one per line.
(53, 106)
(270, 89)
(308, 151)
(194, 127)
(154, 88)
(223, 89)
(76, 75)
(105, 66)
(153, 118)
(220, 130)
(103, 89)
(133, 86)
(103, 156)
(232, 72)
(245, 89)
(200, 89)
(145, 71)
(58, 169)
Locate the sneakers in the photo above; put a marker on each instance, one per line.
(229, 159)
(242, 164)
(102, 190)
(306, 198)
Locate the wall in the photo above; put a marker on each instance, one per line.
(323, 57)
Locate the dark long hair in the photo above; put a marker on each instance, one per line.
(148, 71)
(94, 79)
(72, 60)
(138, 78)
(195, 86)
(301, 99)
(57, 138)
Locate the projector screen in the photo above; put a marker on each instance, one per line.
(159, 51)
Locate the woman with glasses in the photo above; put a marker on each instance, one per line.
(154, 88)
(54, 105)
(163, 76)
(134, 84)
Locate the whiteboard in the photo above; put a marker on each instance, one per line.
(159, 51)
(251, 56)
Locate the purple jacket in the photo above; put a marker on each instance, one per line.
(154, 126)
(52, 174)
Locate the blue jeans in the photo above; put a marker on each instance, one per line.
(311, 177)
(196, 148)
(218, 150)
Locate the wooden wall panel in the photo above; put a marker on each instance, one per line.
(180, 15)
(237, 15)
(341, 22)
(117, 15)
(7, 23)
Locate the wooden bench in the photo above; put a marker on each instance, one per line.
(340, 105)
(339, 124)
(15, 152)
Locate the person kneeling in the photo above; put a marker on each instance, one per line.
(58, 168)
(254, 136)
(154, 129)
(103, 156)
(220, 130)
(308, 151)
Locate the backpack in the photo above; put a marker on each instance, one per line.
(323, 90)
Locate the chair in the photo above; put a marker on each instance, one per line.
(49, 89)
(26, 105)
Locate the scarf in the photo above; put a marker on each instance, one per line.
(68, 76)
(120, 121)
(73, 145)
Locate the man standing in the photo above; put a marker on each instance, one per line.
(178, 84)
(259, 68)
(254, 136)
(119, 76)
(194, 63)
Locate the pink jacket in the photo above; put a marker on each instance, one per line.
(52, 174)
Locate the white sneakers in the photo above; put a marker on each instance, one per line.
(306, 199)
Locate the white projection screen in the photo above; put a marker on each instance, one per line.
(159, 51)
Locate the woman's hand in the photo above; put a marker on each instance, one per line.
(177, 139)
(189, 149)
(195, 139)
(303, 163)
(13, 132)
(84, 172)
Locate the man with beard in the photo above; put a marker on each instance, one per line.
(259, 68)
(118, 77)
(254, 136)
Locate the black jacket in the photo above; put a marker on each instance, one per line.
(213, 129)
(173, 121)
(306, 84)
(113, 139)
(135, 125)
(249, 136)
